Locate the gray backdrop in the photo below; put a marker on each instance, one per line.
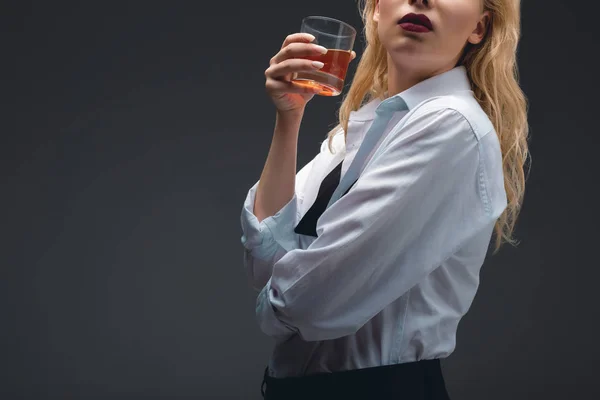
(131, 132)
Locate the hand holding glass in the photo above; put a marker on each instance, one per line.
(338, 38)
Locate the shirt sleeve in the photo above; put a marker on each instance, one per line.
(265, 242)
(413, 206)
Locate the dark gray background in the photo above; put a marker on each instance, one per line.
(131, 132)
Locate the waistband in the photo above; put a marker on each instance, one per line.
(412, 380)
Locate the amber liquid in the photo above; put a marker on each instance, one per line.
(330, 78)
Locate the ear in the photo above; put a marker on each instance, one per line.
(376, 13)
(481, 29)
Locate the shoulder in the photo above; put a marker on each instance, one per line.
(460, 106)
(471, 130)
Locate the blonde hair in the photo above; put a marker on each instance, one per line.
(493, 74)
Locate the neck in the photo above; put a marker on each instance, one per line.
(401, 78)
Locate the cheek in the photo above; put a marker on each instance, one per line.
(458, 16)
(385, 23)
(458, 26)
(388, 9)
(383, 11)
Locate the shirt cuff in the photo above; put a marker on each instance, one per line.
(259, 237)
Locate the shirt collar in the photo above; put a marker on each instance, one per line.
(452, 81)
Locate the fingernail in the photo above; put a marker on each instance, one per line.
(311, 37)
(321, 49)
(317, 64)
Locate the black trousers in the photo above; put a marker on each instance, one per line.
(420, 380)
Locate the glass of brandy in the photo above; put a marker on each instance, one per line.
(338, 38)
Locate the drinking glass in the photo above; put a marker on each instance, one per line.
(338, 38)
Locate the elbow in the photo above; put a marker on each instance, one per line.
(257, 271)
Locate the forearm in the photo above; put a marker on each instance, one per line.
(278, 179)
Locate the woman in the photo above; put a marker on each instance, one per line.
(368, 257)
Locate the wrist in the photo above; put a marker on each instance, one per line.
(291, 116)
(288, 122)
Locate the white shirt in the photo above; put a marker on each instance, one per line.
(396, 262)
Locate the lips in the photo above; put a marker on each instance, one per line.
(417, 19)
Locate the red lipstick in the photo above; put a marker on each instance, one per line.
(416, 23)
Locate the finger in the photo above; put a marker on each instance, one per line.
(288, 67)
(274, 86)
(298, 37)
(298, 50)
(353, 56)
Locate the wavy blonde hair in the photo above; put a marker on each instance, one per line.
(492, 70)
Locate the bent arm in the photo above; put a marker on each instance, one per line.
(408, 212)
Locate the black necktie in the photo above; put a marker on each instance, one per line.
(308, 223)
